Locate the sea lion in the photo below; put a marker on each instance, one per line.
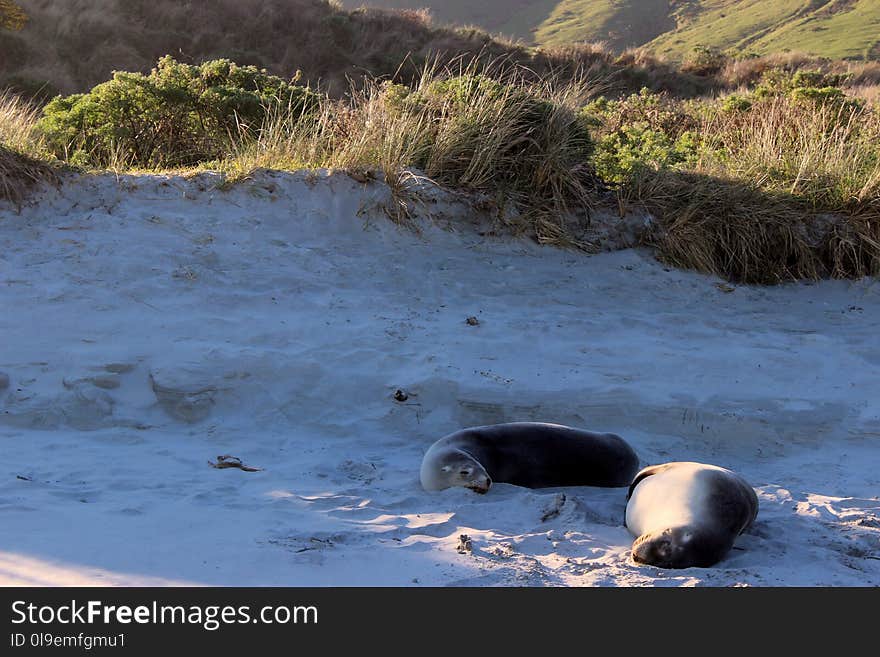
(687, 514)
(530, 454)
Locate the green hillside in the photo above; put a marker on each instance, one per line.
(514, 18)
(619, 23)
(840, 29)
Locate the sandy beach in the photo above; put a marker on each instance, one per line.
(152, 323)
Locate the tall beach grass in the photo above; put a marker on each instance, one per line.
(23, 160)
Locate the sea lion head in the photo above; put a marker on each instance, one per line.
(454, 467)
(677, 547)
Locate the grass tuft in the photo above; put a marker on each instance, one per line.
(23, 160)
(730, 229)
(19, 172)
(519, 141)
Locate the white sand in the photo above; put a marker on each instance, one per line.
(151, 324)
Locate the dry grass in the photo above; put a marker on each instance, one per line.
(534, 165)
(17, 124)
(870, 93)
(738, 232)
(22, 160)
(852, 248)
(730, 229)
(747, 72)
(826, 154)
(19, 172)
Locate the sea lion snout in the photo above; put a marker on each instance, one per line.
(481, 486)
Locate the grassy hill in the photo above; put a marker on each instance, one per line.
(71, 46)
(75, 44)
(514, 18)
(621, 24)
(840, 29)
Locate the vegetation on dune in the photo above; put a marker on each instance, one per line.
(799, 134)
(776, 181)
(23, 157)
(521, 143)
(72, 46)
(177, 115)
(12, 17)
(743, 186)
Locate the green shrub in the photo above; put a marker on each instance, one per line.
(704, 60)
(658, 110)
(635, 147)
(594, 113)
(818, 94)
(465, 89)
(802, 79)
(736, 103)
(396, 95)
(177, 115)
(644, 131)
(816, 88)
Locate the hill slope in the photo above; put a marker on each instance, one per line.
(76, 44)
(830, 28)
(71, 46)
(841, 29)
(515, 18)
(621, 24)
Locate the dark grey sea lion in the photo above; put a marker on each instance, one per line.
(530, 454)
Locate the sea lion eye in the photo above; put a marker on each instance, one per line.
(465, 472)
(446, 468)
